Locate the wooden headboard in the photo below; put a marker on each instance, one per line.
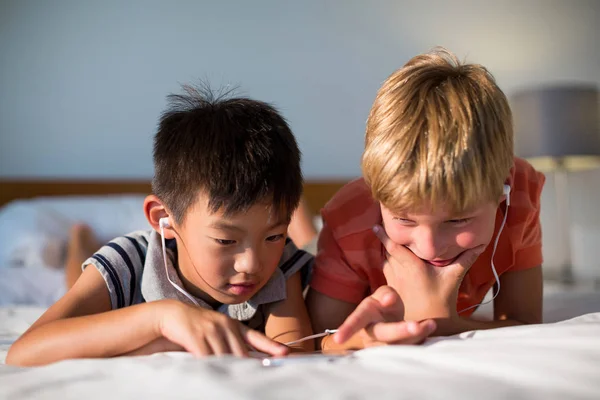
(316, 193)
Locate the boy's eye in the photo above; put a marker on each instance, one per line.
(275, 238)
(225, 242)
(459, 221)
(403, 221)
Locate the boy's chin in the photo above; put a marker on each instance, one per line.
(235, 294)
(234, 298)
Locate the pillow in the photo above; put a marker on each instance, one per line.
(31, 287)
(311, 246)
(34, 232)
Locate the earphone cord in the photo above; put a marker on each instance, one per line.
(493, 266)
(176, 286)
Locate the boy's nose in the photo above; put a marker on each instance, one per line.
(248, 262)
(429, 244)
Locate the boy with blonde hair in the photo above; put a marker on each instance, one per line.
(412, 248)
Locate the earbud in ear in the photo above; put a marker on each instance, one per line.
(507, 194)
(164, 222)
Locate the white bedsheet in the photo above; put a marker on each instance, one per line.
(554, 360)
(551, 361)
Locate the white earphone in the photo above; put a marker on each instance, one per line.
(164, 223)
(506, 192)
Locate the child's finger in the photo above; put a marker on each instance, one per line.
(468, 258)
(189, 341)
(368, 312)
(389, 245)
(262, 343)
(200, 348)
(218, 343)
(236, 342)
(392, 307)
(386, 296)
(403, 332)
(398, 252)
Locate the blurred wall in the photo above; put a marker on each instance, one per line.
(82, 82)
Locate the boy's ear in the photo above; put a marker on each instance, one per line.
(154, 211)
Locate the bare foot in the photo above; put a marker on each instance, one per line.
(82, 244)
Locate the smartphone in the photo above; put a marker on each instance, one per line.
(310, 358)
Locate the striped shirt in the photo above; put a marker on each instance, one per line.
(133, 268)
(349, 255)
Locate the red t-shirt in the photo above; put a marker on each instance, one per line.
(350, 256)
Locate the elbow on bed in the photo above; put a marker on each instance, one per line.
(533, 319)
(14, 358)
(18, 356)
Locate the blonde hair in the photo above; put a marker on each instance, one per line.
(439, 133)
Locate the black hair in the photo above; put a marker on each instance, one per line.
(236, 150)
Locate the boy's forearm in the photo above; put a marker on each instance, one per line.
(453, 326)
(106, 334)
(159, 345)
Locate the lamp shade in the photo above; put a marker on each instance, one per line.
(557, 122)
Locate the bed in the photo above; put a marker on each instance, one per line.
(36, 216)
(558, 359)
(551, 361)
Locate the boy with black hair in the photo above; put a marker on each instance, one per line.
(216, 274)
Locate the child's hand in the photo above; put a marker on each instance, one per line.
(426, 290)
(205, 332)
(378, 320)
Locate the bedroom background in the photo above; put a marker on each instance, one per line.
(82, 83)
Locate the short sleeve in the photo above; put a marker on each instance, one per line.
(332, 274)
(528, 251)
(120, 262)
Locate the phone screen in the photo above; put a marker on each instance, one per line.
(304, 358)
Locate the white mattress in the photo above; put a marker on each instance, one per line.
(550, 361)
